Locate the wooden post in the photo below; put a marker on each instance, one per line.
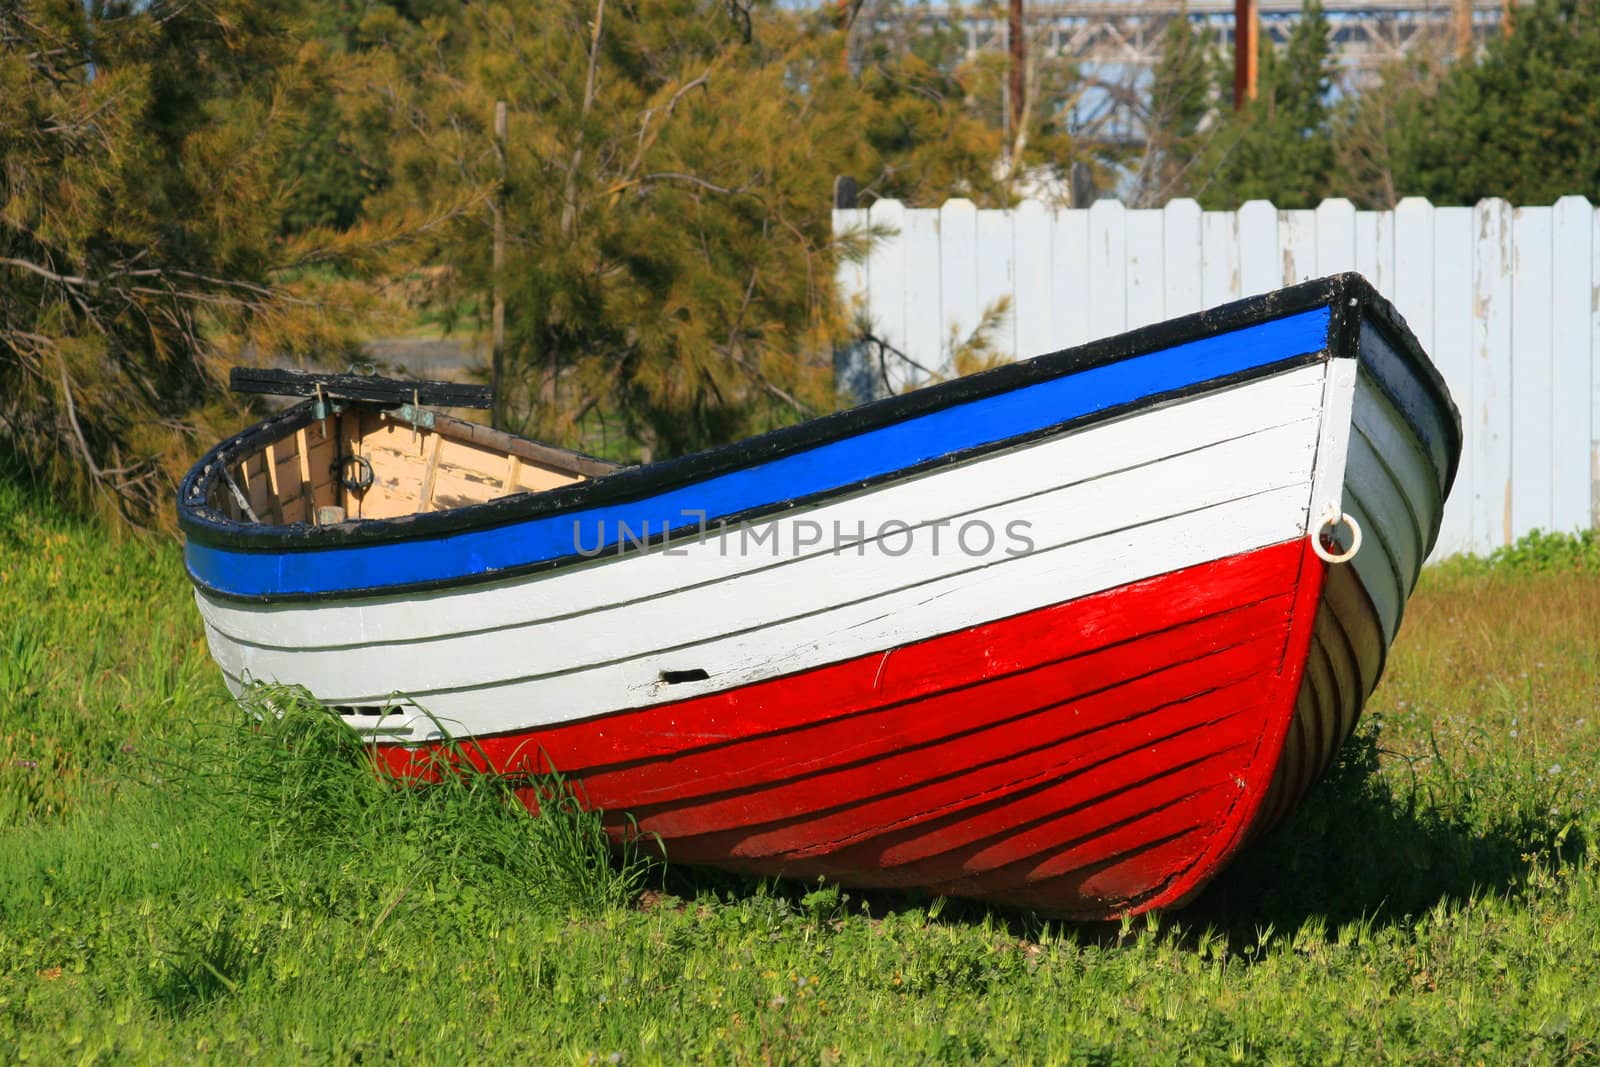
(1462, 24)
(497, 417)
(844, 193)
(1019, 60)
(846, 14)
(1246, 50)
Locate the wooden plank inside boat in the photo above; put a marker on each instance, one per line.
(398, 457)
(469, 474)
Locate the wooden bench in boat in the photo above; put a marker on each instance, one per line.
(370, 451)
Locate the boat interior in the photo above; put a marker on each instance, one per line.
(365, 461)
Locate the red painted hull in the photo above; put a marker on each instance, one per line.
(1097, 757)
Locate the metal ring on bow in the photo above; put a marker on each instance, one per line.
(1322, 537)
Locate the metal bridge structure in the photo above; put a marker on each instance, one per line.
(1115, 44)
(1366, 34)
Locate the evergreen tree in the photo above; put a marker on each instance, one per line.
(665, 210)
(670, 272)
(1378, 132)
(1519, 122)
(1180, 108)
(1279, 146)
(139, 244)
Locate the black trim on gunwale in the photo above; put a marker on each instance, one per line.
(1347, 295)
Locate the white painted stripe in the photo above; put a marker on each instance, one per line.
(1327, 490)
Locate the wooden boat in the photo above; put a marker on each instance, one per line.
(1062, 635)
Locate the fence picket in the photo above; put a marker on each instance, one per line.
(1413, 267)
(1219, 250)
(1108, 277)
(1570, 369)
(1069, 288)
(1031, 240)
(1336, 237)
(1260, 262)
(1531, 452)
(996, 277)
(1489, 435)
(1146, 285)
(1297, 237)
(1452, 352)
(886, 275)
(1181, 266)
(924, 290)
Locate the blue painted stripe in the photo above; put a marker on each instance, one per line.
(867, 455)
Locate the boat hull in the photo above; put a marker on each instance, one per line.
(1142, 659)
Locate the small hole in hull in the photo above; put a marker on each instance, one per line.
(674, 677)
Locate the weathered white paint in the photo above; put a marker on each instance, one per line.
(1180, 485)
(1572, 361)
(1452, 351)
(1532, 447)
(1594, 372)
(1487, 430)
(1108, 278)
(924, 281)
(1507, 302)
(1260, 255)
(1336, 236)
(996, 277)
(1035, 327)
(1219, 252)
(1297, 236)
(1181, 259)
(1146, 279)
(958, 281)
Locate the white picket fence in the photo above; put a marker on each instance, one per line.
(1506, 299)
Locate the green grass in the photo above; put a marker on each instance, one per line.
(182, 881)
